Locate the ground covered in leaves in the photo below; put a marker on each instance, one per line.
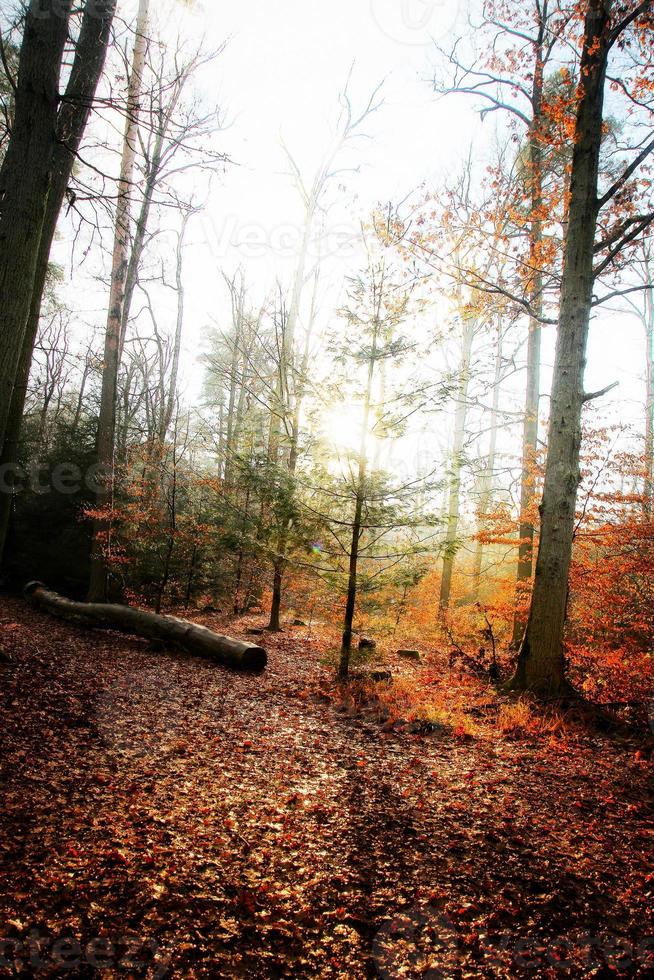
(163, 816)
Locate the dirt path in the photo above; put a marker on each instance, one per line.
(170, 817)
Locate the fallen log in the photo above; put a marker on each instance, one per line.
(182, 633)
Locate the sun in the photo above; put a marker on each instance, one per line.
(341, 427)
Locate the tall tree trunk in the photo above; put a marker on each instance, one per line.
(648, 483)
(25, 179)
(541, 663)
(171, 395)
(353, 564)
(107, 418)
(236, 384)
(489, 468)
(280, 563)
(88, 64)
(532, 398)
(454, 493)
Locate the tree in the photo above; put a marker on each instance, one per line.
(541, 662)
(379, 303)
(72, 117)
(643, 308)
(469, 324)
(488, 472)
(512, 79)
(119, 265)
(291, 364)
(25, 178)
(166, 135)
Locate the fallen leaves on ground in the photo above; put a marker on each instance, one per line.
(163, 816)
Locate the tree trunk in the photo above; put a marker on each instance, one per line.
(274, 624)
(90, 54)
(171, 395)
(298, 399)
(154, 165)
(526, 529)
(107, 419)
(236, 384)
(350, 602)
(648, 487)
(25, 179)
(541, 664)
(196, 640)
(489, 469)
(532, 398)
(453, 503)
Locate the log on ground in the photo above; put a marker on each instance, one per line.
(190, 637)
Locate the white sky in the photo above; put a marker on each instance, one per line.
(280, 77)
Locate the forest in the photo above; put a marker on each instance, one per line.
(327, 488)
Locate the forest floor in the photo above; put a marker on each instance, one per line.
(163, 816)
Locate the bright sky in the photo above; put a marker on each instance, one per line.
(279, 77)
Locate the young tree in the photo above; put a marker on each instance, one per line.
(382, 510)
(292, 363)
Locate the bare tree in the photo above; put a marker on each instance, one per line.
(164, 138)
(120, 259)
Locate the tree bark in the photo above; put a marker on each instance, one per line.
(648, 322)
(541, 663)
(532, 397)
(350, 601)
(274, 623)
(453, 504)
(88, 64)
(168, 407)
(194, 639)
(25, 179)
(107, 419)
(489, 469)
(280, 561)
